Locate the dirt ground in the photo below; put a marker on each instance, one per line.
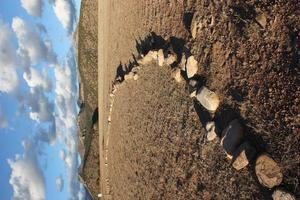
(248, 52)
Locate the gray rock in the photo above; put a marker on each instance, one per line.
(243, 155)
(232, 137)
(282, 195)
(268, 171)
(191, 67)
(208, 99)
(211, 133)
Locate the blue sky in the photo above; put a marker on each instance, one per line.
(38, 95)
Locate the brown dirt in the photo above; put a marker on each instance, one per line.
(157, 148)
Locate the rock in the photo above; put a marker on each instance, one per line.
(195, 28)
(135, 77)
(243, 155)
(232, 137)
(262, 20)
(267, 171)
(208, 99)
(160, 57)
(128, 76)
(171, 59)
(176, 74)
(282, 195)
(191, 67)
(193, 94)
(182, 62)
(151, 55)
(211, 133)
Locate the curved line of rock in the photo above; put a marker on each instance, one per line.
(237, 148)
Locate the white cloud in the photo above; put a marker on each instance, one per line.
(26, 177)
(35, 79)
(65, 12)
(59, 183)
(33, 7)
(8, 76)
(32, 47)
(3, 119)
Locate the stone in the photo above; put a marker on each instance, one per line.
(160, 57)
(208, 99)
(268, 171)
(262, 20)
(243, 155)
(195, 28)
(135, 77)
(211, 133)
(128, 76)
(232, 137)
(193, 94)
(176, 74)
(282, 195)
(172, 58)
(182, 62)
(151, 55)
(191, 67)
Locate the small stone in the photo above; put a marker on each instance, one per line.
(129, 76)
(182, 62)
(208, 99)
(262, 20)
(211, 133)
(232, 137)
(160, 57)
(282, 195)
(243, 155)
(135, 77)
(191, 67)
(176, 74)
(268, 171)
(195, 28)
(171, 59)
(193, 94)
(151, 55)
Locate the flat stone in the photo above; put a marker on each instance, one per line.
(232, 137)
(160, 57)
(129, 76)
(208, 99)
(182, 62)
(151, 55)
(172, 58)
(282, 195)
(243, 155)
(262, 20)
(268, 171)
(191, 67)
(211, 133)
(176, 74)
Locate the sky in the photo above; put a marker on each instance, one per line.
(38, 100)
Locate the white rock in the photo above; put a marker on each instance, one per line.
(208, 99)
(191, 67)
(193, 94)
(182, 62)
(160, 57)
(151, 55)
(282, 195)
(211, 133)
(176, 74)
(135, 77)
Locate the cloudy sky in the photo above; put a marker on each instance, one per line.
(38, 95)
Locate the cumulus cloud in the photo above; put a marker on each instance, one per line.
(26, 178)
(32, 47)
(33, 7)
(3, 119)
(65, 12)
(8, 75)
(59, 183)
(35, 79)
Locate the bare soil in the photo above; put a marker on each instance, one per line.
(157, 147)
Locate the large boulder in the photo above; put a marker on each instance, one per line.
(268, 171)
(208, 99)
(232, 137)
(282, 195)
